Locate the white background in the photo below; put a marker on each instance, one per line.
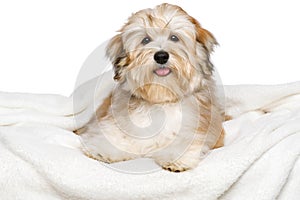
(43, 44)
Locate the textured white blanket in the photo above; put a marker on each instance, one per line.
(40, 156)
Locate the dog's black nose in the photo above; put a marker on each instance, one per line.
(161, 57)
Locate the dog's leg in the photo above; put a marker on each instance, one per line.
(220, 141)
(188, 160)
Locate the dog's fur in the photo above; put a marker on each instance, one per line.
(167, 110)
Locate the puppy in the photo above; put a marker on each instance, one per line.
(165, 105)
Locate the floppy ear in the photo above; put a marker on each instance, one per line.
(115, 52)
(208, 42)
(204, 37)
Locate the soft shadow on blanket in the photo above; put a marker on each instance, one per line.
(40, 157)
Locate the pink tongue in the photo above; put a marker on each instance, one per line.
(162, 71)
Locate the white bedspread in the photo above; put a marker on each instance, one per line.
(40, 156)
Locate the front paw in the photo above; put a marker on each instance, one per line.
(180, 165)
(175, 167)
(98, 157)
(184, 163)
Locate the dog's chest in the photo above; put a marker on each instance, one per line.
(146, 129)
(150, 121)
(142, 131)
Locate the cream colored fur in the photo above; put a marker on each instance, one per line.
(175, 118)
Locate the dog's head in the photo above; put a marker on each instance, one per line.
(162, 54)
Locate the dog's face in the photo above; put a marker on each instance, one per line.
(162, 54)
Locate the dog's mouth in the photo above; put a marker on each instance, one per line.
(162, 71)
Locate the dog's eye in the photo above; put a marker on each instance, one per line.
(174, 38)
(146, 40)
